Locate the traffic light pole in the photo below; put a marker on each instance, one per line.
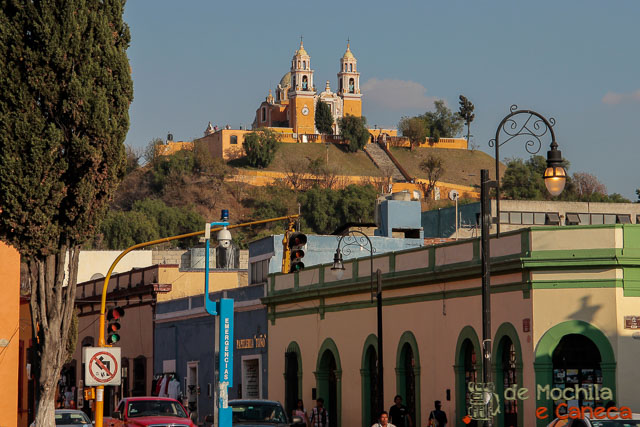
(99, 406)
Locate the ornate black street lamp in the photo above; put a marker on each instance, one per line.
(533, 128)
(351, 240)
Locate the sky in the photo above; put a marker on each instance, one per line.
(577, 61)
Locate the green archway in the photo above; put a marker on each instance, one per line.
(401, 372)
(292, 375)
(327, 356)
(543, 364)
(467, 337)
(509, 331)
(370, 344)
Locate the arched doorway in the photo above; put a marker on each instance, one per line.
(576, 361)
(328, 378)
(467, 369)
(408, 375)
(369, 374)
(292, 376)
(574, 353)
(507, 371)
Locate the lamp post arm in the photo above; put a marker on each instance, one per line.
(527, 123)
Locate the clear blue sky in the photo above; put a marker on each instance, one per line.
(575, 60)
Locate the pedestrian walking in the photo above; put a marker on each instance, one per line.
(319, 415)
(437, 417)
(300, 412)
(399, 414)
(383, 420)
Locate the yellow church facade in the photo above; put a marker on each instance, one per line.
(292, 109)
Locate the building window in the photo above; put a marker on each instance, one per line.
(352, 87)
(305, 83)
(234, 139)
(251, 377)
(527, 218)
(304, 65)
(350, 67)
(597, 219)
(515, 217)
(623, 219)
(572, 219)
(609, 219)
(584, 219)
(298, 64)
(345, 67)
(552, 218)
(264, 114)
(539, 218)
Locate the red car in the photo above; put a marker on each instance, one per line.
(150, 411)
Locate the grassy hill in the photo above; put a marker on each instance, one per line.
(345, 163)
(458, 164)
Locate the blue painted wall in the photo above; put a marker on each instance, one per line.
(398, 215)
(193, 339)
(321, 249)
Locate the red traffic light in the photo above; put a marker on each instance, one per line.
(113, 327)
(115, 313)
(297, 239)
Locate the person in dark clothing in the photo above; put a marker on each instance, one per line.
(438, 415)
(399, 414)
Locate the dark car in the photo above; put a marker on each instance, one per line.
(259, 413)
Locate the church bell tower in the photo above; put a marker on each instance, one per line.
(302, 93)
(349, 84)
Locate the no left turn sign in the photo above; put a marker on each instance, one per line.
(102, 365)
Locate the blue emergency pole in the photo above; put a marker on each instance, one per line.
(224, 309)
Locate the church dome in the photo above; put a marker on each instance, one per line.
(301, 50)
(348, 54)
(286, 80)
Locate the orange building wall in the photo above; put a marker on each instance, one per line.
(353, 107)
(23, 375)
(9, 330)
(301, 123)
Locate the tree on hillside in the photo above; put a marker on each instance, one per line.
(64, 101)
(433, 167)
(413, 128)
(324, 118)
(354, 130)
(261, 147)
(151, 151)
(133, 156)
(466, 114)
(442, 123)
(587, 185)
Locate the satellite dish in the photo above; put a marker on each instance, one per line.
(453, 194)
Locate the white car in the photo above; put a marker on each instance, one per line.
(605, 422)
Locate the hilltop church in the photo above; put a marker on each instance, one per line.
(294, 104)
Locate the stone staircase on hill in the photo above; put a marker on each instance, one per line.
(383, 162)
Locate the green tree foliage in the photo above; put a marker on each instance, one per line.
(466, 113)
(638, 194)
(524, 180)
(354, 129)
(413, 128)
(172, 169)
(149, 219)
(64, 114)
(442, 123)
(133, 159)
(324, 118)
(261, 147)
(324, 210)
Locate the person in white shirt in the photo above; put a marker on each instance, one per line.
(383, 421)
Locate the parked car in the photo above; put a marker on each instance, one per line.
(605, 422)
(254, 413)
(149, 411)
(71, 417)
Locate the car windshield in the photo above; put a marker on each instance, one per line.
(72, 418)
(155, 408)
(256, 411)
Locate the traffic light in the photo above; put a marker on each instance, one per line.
(297, 241)
(113, 317)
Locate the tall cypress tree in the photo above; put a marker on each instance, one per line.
(324, 118)
(64, 102)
